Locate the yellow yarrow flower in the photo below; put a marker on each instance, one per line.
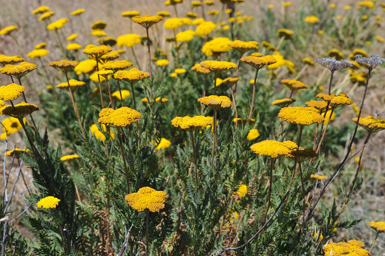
(125, 94)
(17, 152)
(147, 20)
(40, 9)
(335, 53)
(378, 226)
(19, 110)
(185, 36)
(48, 202)
(10, 125)
(11, 91)
(253, 134)
(120, 117)
(57, 24)
(217, 66)
(205, 28)
(132, 76)
(38, 53)
(46, 15)
(147, 199)
(301, 115)
(8, 30)
(95, 52)
(64, 65)
(72, 82)
(11, 60)
(259, 62)
(311, 19)
(163, 144)
(73, 47)
(216, 102)
(98, 134)
(285, 33)
(343, 248)
(68, 157)
(130, 14)
(318, 104)
(274, 148)
(283, 102)
(368, 4)
(78, 12)
(243, 47)
(216, 46)
(19, 70)
(72, 37)
(85, 66)
(371, 124)
(173, 23)
(242, 191)
(162, 63)
(128, 40)
(294, 85)
(192, 123)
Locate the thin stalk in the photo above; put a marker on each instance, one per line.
(215, 136)
(147, 240)
(195, 162)
(234, 93)
(204, 92)
(215, 83)
(149, 60)
(109, 93)
(270, 188)
(124, 160)
(25, 99)
(120, 91)
(136, 59)
(75, 106)
(280, 42)
(100, 86)
(326, 128)
(12, 79)
(304, 196)
(133, 94)
(131, 158)
(375, 239)
(176, 49)
(176, 12)
(253, 99)
(203, 10)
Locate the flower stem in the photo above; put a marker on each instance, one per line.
(120, 91)
(215, 83)
(326, 128)
(75, 106)
(195, 161)
(100, 86)
(124, 160)
(109, 93)
(133, 94)
(215, 136)
(375, 239)
(149, 60)
(136, 59)
(253, 99)
(147, 240)
(25, 99)
(270, 188)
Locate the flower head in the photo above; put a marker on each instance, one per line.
(217, 66)
(333, 64)
(371, 124)
(68, 157)
(10, 125)
(5, 60)
(368, 4)
(57, 24)
(216, 46)
(326, 97)
(46, 15)
(339, 100)
(300, 115)
(285, 33)
(198, 68)
(242, 191)
(192, 123)
(38, 53)
(173, 2)
(294, 85)
(162, 62)
(11, 91)
(243, 47)
(205, 28)
(117, 65)
(125, 94)
(40, 9)
(311, 19)
(162, 144)
(147, 199)
(128, 40)
(332, 249)
(132, 76)
(17, 152)
(8, 30)
(213, 12)
(99, 25)
(370, 63)
(378, 226)
(19, 70)
(185, 36)
(308, 61)
(335, 53)
(98, 134)
(72, 82)
(109, 56)
(64, 65)
(274, 148)
(48, 202)
(259, 62)
(283, 102)
(98, 33)
(253, 134)
(120, 117)
(72, 37)
(173, 23)
(147, 20)
(243, 121)
(163, 14)
(85, 66)
(318, 104)
(130, 14)
(19, 110)
(215, 102)
(111, 42)
(77, 12)
(74, 47)
(95, 52)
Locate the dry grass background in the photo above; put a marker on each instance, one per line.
(367, 205)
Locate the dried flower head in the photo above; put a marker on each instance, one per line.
(147, 20)
(192, 123)
(111, 42)
(303, 153)
(215, 102)
(333, 64)
(147, 199)
(132, 76)
(370, 63)
(19, 110)
(120, 117)
(301, 115)
(5, 60)
(274, 148)
(68, 157)
(48, 202)
(283, 102)
(11, 91)
(99, 25)
(64, 65)
(294, 85)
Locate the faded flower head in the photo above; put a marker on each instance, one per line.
(333, 64)
(147, 199)
(19, 110)
(370, 63)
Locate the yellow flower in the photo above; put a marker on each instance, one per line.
(243, 121)
(163, 144)
(133, 75)
(339, 100)
(311, 19)
(191, 14)
(317, 177)
(72, 37)
(198, 21)
(357, 243)
(217, 66)
(230, 81)
(243, 47)
(144, 100)
(271, 6)
(40, 46)
(347, 7)
(95, 52)
(216, 46)
(285, 33)
(173, 74)
(74, 47)
(117, 65)
(162, 63)
(253, 134)
(371, 124)
(215, 102)
(49, 87)
(147, 20)
(46, 15)
(274, 148)
(283, 102)
(147, 198)
(332, 117)
(192, 123)
(179, 71)
(48, 202)
(18, 110)
(11, 91)
(38, 53)
(99, 25)
(10, 125)
(358, 52)
(213, 12)
(98, 33)
(294, 85)
(173, 23)
(57, 24)
(125, 94)
(17, 152)
(380, 39)
(198, 68)
(5, 60)
(18, 70)
(64, 65)
(318, 104)
(68, 157)
(335, 53)
(378, 226)
(40, 9)
(300, 115)
(308, 61)
(8, 30)
(85, 66)
(72, 82)
(98, 134)
(130, 14)
(128, 40)
(172, 2)
(242, 191)
(320, 32)
(109, 56)
(120, 117)
(205, 28)
(368, 4)
(286, 4)
(209, 2)
(77, 12)
(332, 5)
(326, 97)
(163, 14)
(259, 62)
(185, 36)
